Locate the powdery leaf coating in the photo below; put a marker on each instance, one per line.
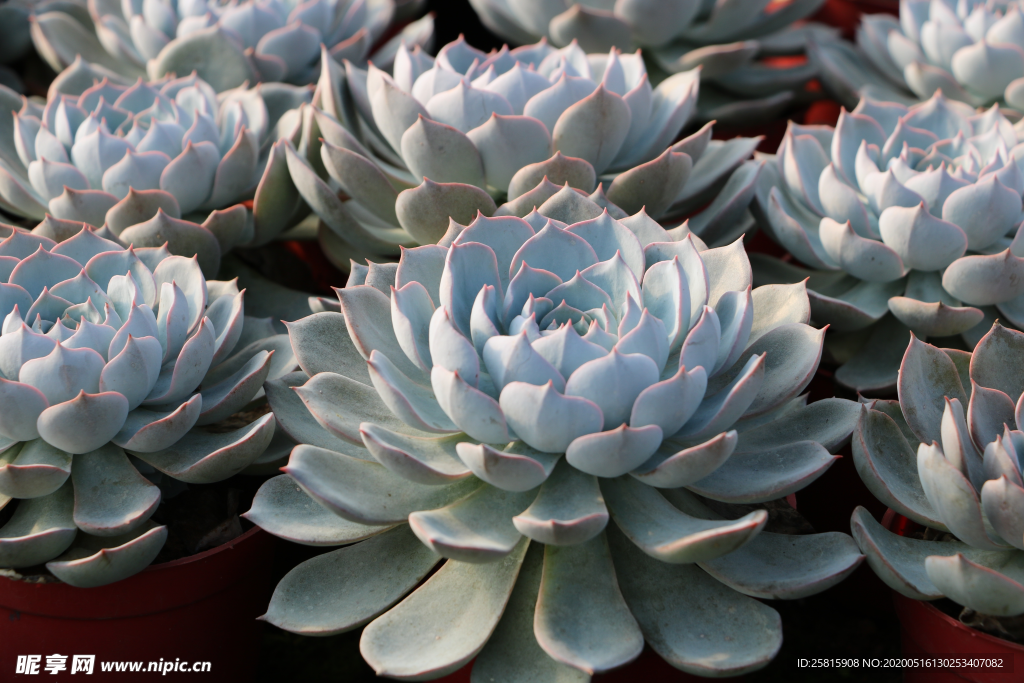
(110, 368)
(911, 212)
(547, 414)
(557, 130)
(149, 161)
(965, 479)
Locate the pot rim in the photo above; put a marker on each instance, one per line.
(159, 587)
(888, 519)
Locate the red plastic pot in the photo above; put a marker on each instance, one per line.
(201, 608)
(926, 632)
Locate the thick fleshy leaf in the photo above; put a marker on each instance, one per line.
(954, 499)
(476, 529)
(357, 583)
(111, 497)
(569, 509)
(582, 619)
(40, 529)
(615, 452)
(100, 560)
(994, 363)
(887, 465)
(517, 468)
(177, 382)
(424, 211)
(999, 592)
(200, 458)
(784, 566)
(927, 375)
(546, 419)
(322, 344)
(475, 412)
(1003, 503)
(670, 469)
(84, 423)
(981, 280)
(512, 652)
(340, 405)
(414, 640)
(725, 633)
(669, 534)
(768, 475)
(296, 420)
(22, 407)
(148, 431)
(283, 509)
(367, 492)
(37, 469)
(422, 460)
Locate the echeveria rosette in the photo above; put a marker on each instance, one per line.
(497, 398)
(229, 43)
(724, 39)
(113, 361)
(961, 413)
(972, 51)
(908, 216)
(502, 133)
(151, 161)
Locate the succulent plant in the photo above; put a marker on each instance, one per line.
(724, 39)
(972, 51)
(228, 43)
(150, 160)
(503, 133)
(14, 38)
(494, 399)
(909, 218)
(113, 361)
(965, 481)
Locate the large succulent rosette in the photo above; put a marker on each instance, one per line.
(114, 361)
(496, 399)
(908, 218)
(962, 414)
(228, 43)
(724, 39)
(502, 133)
(972, 51)
(150, 161)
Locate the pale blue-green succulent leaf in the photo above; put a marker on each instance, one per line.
(579, 586)
(111, 497)
(399, 643)
(99, 560)
(40, 529)
(385, 567)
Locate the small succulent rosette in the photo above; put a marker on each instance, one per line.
(908, 218)
(502, 133)
(725, 40)
(114, 361)
(229, 43)
(166, 162)
(972, 51)
(962, 414)
(491, 402)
